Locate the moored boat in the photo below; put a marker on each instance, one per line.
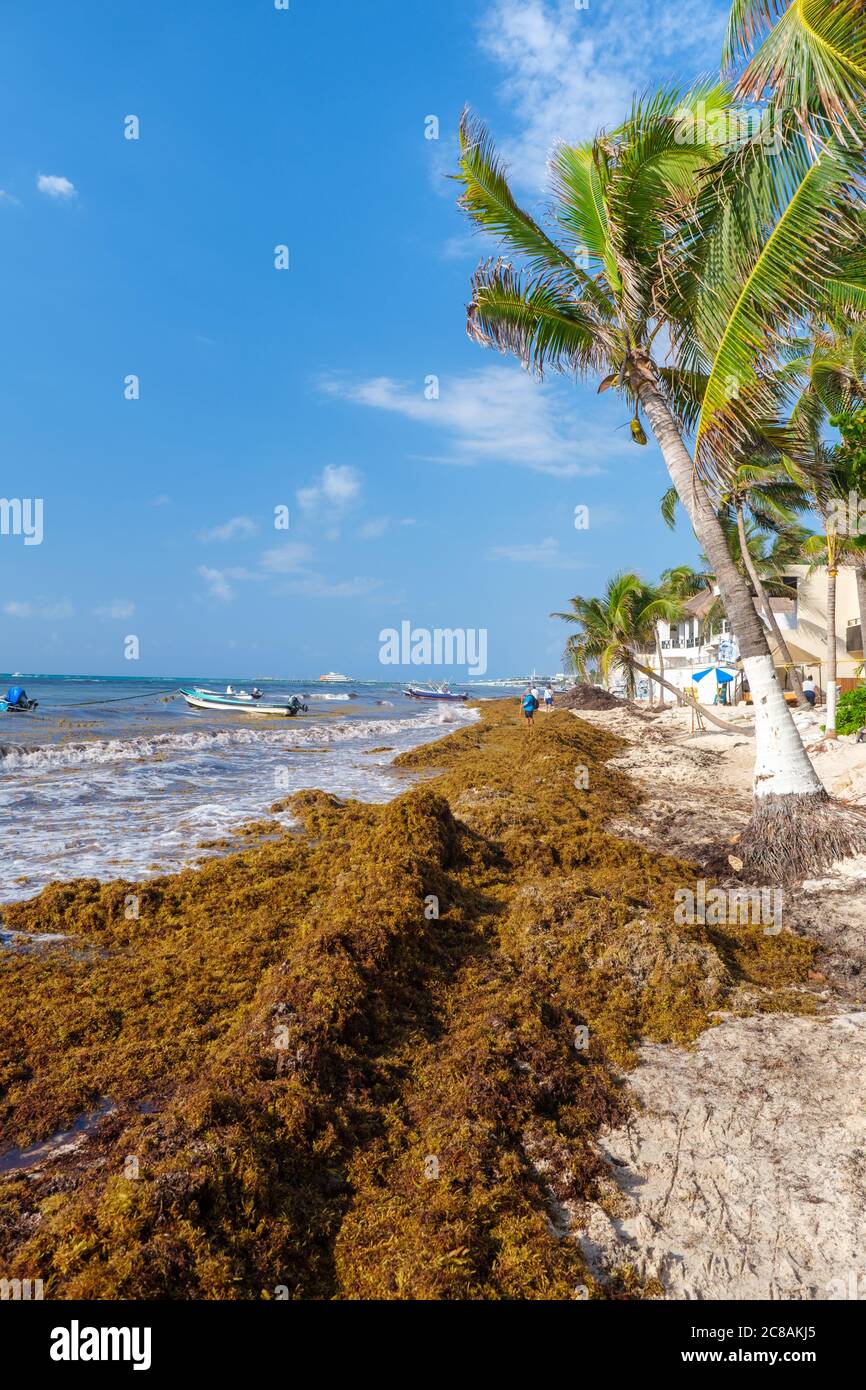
(241, 702)
(16, 701)
(434, 692)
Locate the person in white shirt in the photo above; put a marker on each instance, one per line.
(548, 699)
(810, 691)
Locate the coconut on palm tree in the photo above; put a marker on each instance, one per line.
(641, 250)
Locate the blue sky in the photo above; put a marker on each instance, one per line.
(304, 388)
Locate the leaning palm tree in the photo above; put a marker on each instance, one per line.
(657, 253)
(615, 630)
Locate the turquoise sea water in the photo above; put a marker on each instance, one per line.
(116, 778)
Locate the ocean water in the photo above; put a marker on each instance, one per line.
(117, 778)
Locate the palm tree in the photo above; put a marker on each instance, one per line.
(834, 364)
(761, 495)
(614, 630)
(851, 464)
(678, 582)
(811, 56)
(652, 239)
(827, 549)
(835, 380)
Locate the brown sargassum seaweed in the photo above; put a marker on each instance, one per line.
(328, 1091)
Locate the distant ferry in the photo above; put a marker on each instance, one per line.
(334, 678)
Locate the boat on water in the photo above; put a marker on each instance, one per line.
(434, 692)
(16, 701)
(335, 678)
(241, 702)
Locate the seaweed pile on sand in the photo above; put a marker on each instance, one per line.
(365, 1060)
(582, 695)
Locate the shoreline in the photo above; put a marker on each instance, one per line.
(400, 1104)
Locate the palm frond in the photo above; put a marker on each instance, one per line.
(813, 59)
(668, 507)
(535, 320)
(778, 226)
(489, 202)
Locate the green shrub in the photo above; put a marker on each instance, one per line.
(851, 711)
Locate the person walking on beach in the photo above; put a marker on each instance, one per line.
(548, 699)
(529, 704)
(810, 691)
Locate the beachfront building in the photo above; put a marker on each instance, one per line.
(696, 646)
(703, 642)
(803, 621)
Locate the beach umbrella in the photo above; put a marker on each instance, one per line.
(721, 675)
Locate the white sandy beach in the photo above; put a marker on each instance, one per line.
(744, 1173)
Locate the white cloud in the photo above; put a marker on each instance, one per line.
(374, 530)
(41, 612)
(546, 554)
(473, 246)
(217, 583)
(117, 608)
(9, 198)
(568, 72)
(287, 559)
(230, 530)
(55, 186)
(316, 586)
(496, 414)
(161, 501)
(338, 487)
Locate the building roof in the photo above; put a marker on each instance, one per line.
(699, 605)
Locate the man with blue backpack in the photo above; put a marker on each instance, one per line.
(529, 704)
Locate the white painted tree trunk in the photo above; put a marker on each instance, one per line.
(780, 756)
(782, 765)
(830, 719)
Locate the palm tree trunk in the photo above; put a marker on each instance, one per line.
(661, 662)
(830, 693)
(795, 830)
(689, 704)
(763, 602)
(860, 576)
